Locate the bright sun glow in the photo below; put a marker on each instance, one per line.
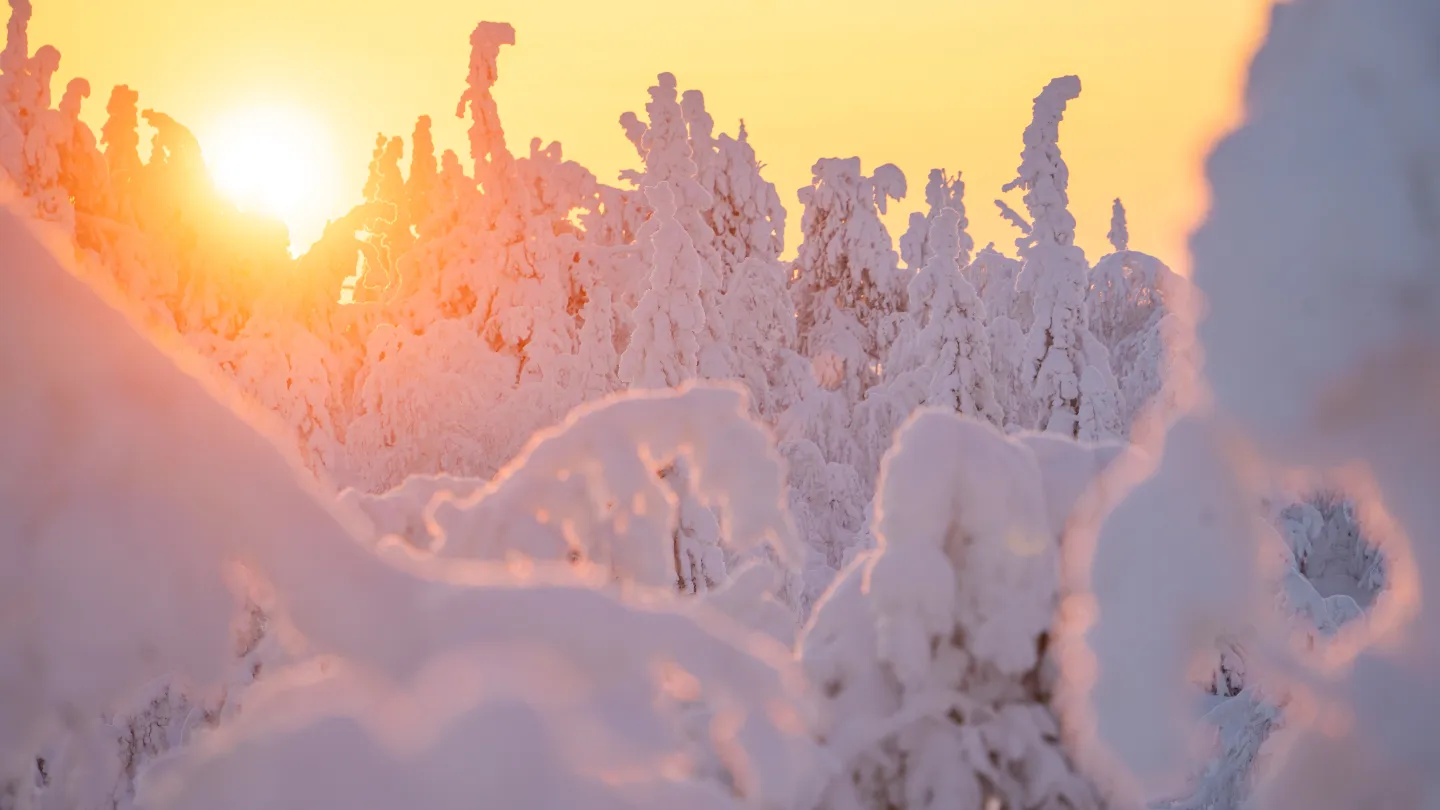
(277, 162)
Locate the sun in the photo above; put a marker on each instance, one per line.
(274, 161)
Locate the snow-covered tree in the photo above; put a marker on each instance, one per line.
(747, 215)
(927, 650)
(761, 316)
(83, 172)
(827, 501)
(1010, 311)
(1119, 234)
(952, 327)
(420, 183)
(749, 226)
(827, 490)
(848, 291)
(287, 370)
(385, 186)
(675, 143)
(941, 191)
(1069, 370)
(597, 358)
(491, 157)
(943, 355)
(1141, 311)
(121, 135)
(849, 301)
(32, 134)
(665, 351)
(664, 347)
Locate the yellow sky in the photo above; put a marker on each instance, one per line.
(918, 83)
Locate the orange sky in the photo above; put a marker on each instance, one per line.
(919, 83)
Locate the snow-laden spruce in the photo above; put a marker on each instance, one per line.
(749, 225)
(664, 348)
(1141, 310)
(942, 354)
(929, 650)
(846, 283)
(951, 344)
(1067, 367)
(941, 191)
(676, 144)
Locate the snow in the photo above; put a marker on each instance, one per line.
(1309, 365)
(118, 461)
(1168, 572)
(182, 486)
(924, 647)
(664, 349)
(522, 485)
(1066, 367)
(846, 278)
(952, 345)
(594, 487)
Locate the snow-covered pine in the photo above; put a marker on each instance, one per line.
(761, 316)
(943, 356)
(675, 143)
(1139, 309)
(390, 229)
(749, 225)
(848, 290)
(1075, 391)
(420, 183)
(1010, 312)
(941, 191)
(926, 650)
(1327, 579)
(664, 349)
(1119, 234)
(120, 135)
(492, 159)
(952, 322)
(747, 216)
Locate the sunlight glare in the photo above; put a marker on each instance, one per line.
(277, 162)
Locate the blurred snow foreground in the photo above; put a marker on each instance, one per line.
(1322, 350)
(610, 539)
(133, 494)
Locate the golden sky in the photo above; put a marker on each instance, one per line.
(918, 83)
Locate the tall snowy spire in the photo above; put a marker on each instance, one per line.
(17, 40)
(1042, 174)
(487, 139)
(1073, 389)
